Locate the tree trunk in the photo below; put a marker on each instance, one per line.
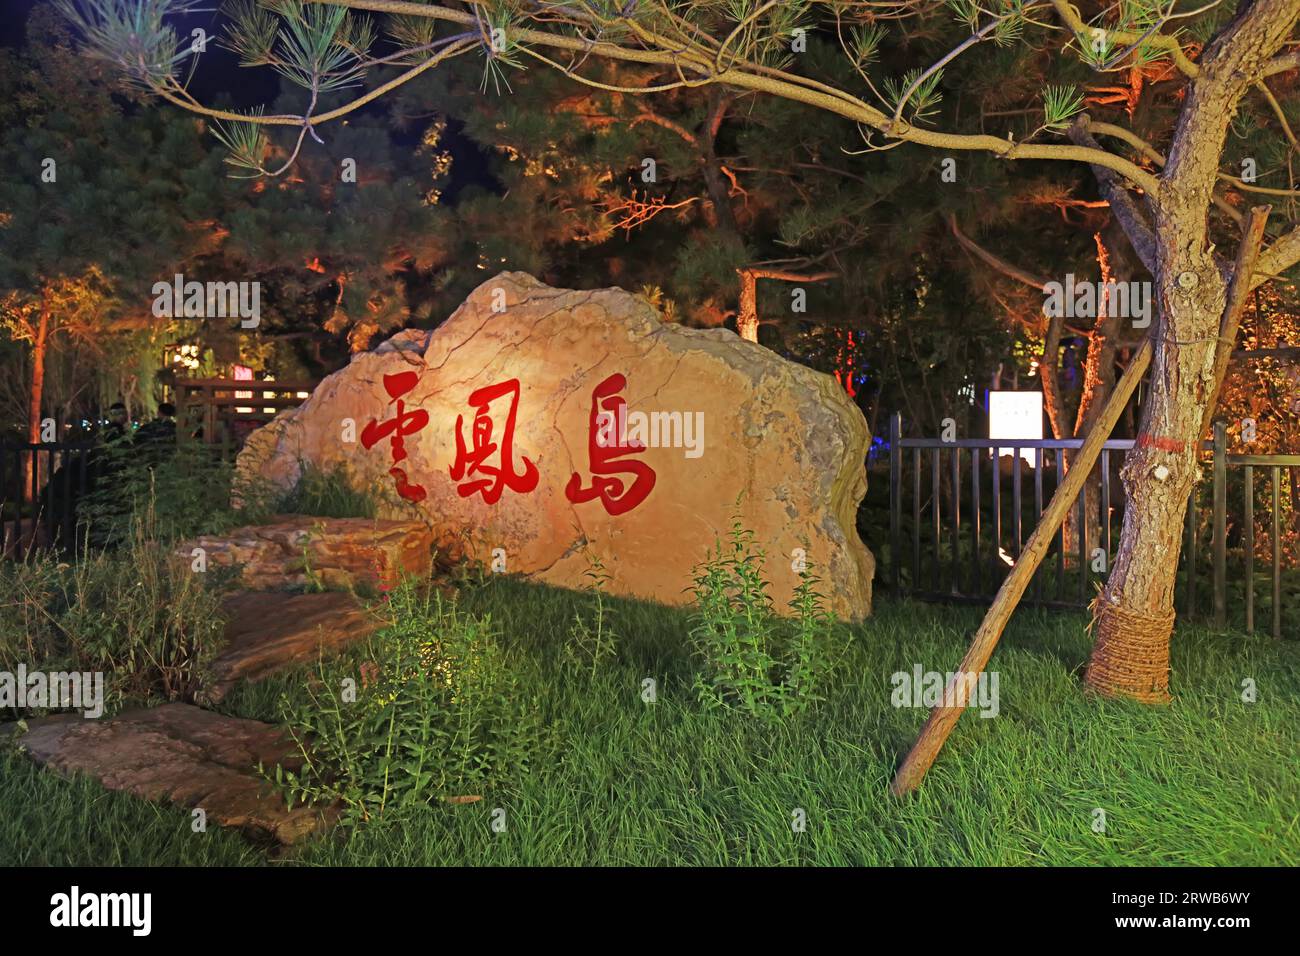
(31, 474)
(1134, 615)
(1098, 382)
(1049, 374)
(747, 316)
(747, 320)
(715, 182)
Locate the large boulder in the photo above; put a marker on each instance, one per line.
(485, 429)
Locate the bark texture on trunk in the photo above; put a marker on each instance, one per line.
(1134, 614)
(1098, 383)
(40, 343)
(715, 183)
(747, 320)
(1049, 373)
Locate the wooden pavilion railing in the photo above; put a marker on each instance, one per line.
(223, 410)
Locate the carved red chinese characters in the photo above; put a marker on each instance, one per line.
(485, 461)
(405, 423)
(474, 459)
(608, 454)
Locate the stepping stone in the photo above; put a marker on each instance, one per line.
(295, 551)
(268, 631)
(184, 755)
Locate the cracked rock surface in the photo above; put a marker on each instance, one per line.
(302, 550)
(783, 446)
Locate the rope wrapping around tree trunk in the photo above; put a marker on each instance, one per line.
(1131, 654)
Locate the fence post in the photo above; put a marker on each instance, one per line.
(1249, 541)
(1220, 525)
(1277, 553)
(895, 496)
(1189, 549)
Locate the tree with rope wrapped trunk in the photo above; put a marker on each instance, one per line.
(1177, 206)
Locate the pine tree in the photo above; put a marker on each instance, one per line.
(94, 205)
(1172, 214)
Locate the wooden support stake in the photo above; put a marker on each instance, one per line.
(943, 718)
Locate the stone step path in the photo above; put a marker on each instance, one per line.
(268, 631)
(184, 755)
(195, 758)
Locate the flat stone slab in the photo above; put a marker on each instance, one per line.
(184, 755)
(268, 631)
(295, 551)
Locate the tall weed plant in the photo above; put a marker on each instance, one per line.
(751, 659)
(439, 712)
(135, 613)
(180, 491)
(592, 642)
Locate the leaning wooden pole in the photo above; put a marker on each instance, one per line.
(944, 717)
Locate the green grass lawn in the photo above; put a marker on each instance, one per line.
(1208, 780)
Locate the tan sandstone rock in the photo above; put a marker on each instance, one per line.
(781, 439)
(301, 550)
(268, 631)
(184, 755)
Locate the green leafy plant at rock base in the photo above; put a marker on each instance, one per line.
(325, 494)
(179, 492)
(810, 660)
(591, 643)
(439, 713)
(750, 658)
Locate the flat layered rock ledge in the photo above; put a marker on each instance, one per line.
(184, 755)
(296, 551)
(268, 631)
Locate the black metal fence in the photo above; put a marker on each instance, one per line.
(1274, 467)
(971, 511)
(39, 486)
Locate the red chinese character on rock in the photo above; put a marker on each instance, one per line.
(405, 423)
(608, 457)
(472, 460)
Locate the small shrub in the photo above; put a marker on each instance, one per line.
(179, 492)
(326, 494)
(750, 658)
(439, 712)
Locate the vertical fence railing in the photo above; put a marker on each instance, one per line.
(39, 486)
(1274, 466)
(969, 566)
(974, 564)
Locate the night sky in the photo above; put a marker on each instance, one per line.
(219, 77)
(218, 72)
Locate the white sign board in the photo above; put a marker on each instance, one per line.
(1016, 415)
